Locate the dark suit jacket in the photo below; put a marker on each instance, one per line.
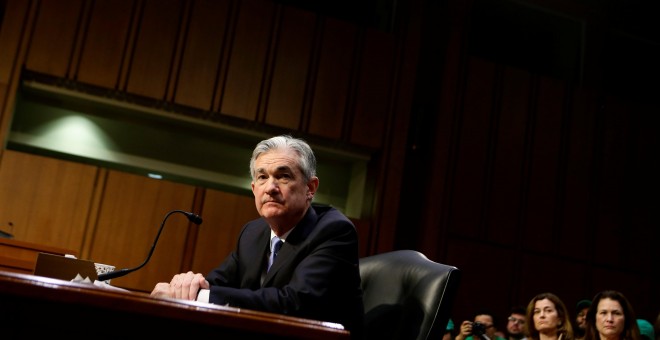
(315, 274)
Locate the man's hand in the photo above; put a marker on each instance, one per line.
(465, 331)
(183, 286)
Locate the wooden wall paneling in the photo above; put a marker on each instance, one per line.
(45, 200)
(14, 28)
(94, 213)
(637, 287)
(505, 194)
(193, 233)
(130, 45)
(582, 289)
(642, 187)
(106, 43)
(293, 54)
(12, 24)
(132, 211)
(204, 45)
(74, 63)
(381, 234)
(612, 228)
(241, 92)
(155, 48)
(435, 230)
(548, 273)
(179, 50)
(331, 89)
(54, 36)
(396, 143)
(577, 220)
(374, 93)
(471, 165)
(483, 284)
(540, 221)
(224, 216)
(365, 235)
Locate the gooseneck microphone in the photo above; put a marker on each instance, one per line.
(119, 273)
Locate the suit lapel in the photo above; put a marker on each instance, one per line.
(293, 243)
(255, 273)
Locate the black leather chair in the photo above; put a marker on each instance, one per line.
(406, 295)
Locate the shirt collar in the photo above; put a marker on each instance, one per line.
(283, 238)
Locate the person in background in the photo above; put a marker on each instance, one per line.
(515, 326)
(581, 318)
(449, 330)
(482, 327)
(315, 274)
(645, 329)
(548, 319)
(611, 317)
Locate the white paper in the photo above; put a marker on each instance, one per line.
(102, 284)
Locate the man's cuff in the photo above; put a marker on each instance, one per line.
(203, 295)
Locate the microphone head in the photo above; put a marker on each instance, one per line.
(194, 218)
(114, 274)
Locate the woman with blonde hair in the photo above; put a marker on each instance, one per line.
(611, 317)
(547, 319)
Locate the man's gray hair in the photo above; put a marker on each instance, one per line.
(306, 159)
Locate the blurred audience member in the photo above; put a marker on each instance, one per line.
(581, 318)
(548, 319)
(482, 327)
(515, 326)
(449, 330)
(645, 329)
(611, 317)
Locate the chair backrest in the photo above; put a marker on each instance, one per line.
(406, 295)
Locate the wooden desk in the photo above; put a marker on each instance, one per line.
(33, 306)
(20, 257)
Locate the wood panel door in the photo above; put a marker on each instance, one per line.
(132, 210)
(203, 50)
(286, 94)
(106, 43)
(224, 215)
(45, 200)
(155, 48)
(53, 40)
(241, 91)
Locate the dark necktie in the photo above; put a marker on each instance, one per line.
(275, 245)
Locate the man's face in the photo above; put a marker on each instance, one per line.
(281, 194)
(487, 320)
(516, 324)
(581, 318)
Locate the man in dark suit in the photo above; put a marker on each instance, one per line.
(315, 273)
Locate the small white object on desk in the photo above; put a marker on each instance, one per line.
(102, 284)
